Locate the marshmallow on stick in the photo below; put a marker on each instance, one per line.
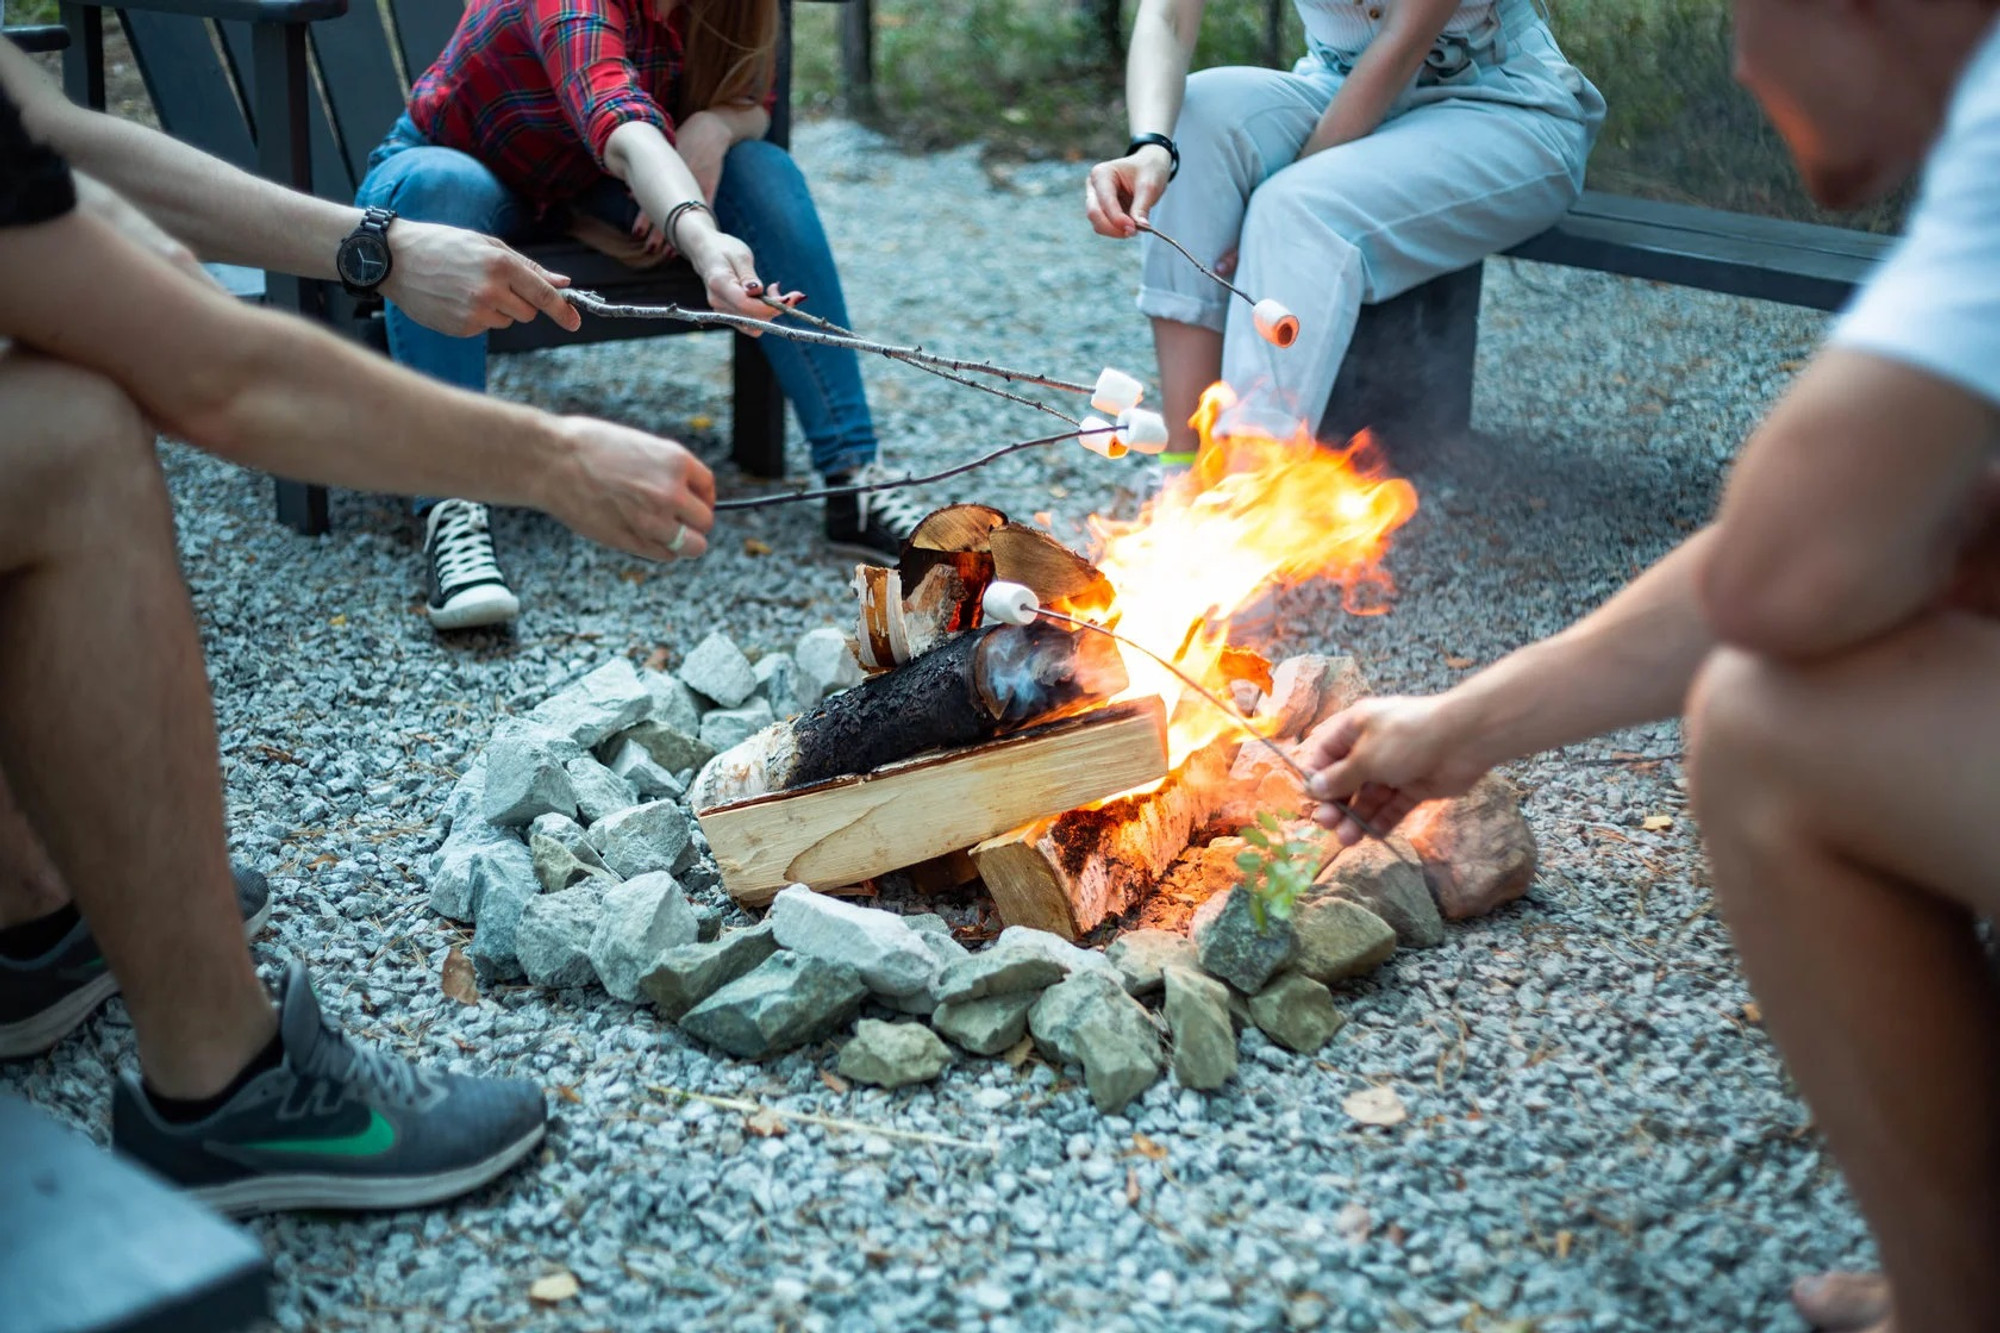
(1142, 431)
(1275, 324)
(1100, 438)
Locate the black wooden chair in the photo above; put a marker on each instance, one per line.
(302, 90)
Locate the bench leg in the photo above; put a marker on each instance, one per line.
(302, 508)
(1408, 372)
(759, 411)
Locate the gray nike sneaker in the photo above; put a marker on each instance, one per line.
(335, 1125)
(43, 1000)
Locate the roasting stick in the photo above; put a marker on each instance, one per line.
(794, 497)
(1275, 324)
(1017, 604)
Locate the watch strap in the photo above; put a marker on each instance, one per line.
(1173, 152)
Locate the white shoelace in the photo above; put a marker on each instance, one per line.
(463, 548)
(899, 514)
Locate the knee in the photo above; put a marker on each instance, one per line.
(1745, 742)
(74, 438)
(759, 175)
(438, 185)
(1283, 214)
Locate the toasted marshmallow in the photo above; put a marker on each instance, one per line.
(1100, 439)
(1277, 325)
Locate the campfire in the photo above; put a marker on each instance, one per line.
(1067, 768)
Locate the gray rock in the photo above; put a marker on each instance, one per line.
(1387, 879)
(893, 1055)
(1197, 1010)
(989, 1026)
(558, 867)
(1296, 1012)
(780, 684)
(553, 940)
(1089, 1020)
(1074, 958)
(649, 778)
(645, 838)
(605, 702)
(569, 833)
(468, 796)
(643, 919)
(1477, 850)
(471, 860)
(997, 971)
(891, 958)
(826, 663)
(1307, 690)
(726, 728)
(670, 747)
(1339, 939)
(718, 670)
(674, 704)
(682, 978)
(493, 943)
(525, 776)
(1230, 945)
(599, 791)
(1141, 955)
(786, 1001)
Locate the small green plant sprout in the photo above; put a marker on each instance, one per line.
(1278, 871)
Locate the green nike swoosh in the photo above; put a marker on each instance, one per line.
(378, 1138)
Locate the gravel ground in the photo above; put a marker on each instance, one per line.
(1598, 1139)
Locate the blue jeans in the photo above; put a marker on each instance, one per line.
(762, 200)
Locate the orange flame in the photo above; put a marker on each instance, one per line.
(1255, 512)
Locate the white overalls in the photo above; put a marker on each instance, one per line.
(1483, 150)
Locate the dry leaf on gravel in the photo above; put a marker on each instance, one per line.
(1753, 1012)
(766, 1124)
(1017, 1054)
(833, 1081)
(457, 980)
(1656, 823)
(657, 659)
(1459, 663)
(556, 1287)
(1376, 1106)
(1148, 1149)
(1132, 1186)
(569, 1094)
(755, 546)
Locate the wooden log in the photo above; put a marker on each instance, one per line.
(1069, 872)
(973, 687)
(851, 828)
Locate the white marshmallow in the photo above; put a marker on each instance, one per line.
(1277, 325)
(1115, 392)
(1099, 439)
(1142, 431)
(1010, 603)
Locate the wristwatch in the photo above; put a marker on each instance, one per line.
(364, 258)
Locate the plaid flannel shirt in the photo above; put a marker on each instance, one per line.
(534, 88)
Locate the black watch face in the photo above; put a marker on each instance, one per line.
(363, 260)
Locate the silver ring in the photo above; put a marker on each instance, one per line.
(680, 536)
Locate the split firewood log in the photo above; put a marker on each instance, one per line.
(972, 687)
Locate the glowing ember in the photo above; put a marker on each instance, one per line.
(1256, 511)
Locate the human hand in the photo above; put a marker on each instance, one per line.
(1120, 194)
(1383, 758)
(703, 141)
(726, 268)
(631, 490)
(459, 282)
(105, 204)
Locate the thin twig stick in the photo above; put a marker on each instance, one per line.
(828, 326)
(1149, 227)
(823, 1121)
(794, 497)
(597, 305)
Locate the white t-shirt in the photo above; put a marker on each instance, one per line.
(1349, 25)
(1935, 302)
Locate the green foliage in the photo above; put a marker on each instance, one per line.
(1278, 872)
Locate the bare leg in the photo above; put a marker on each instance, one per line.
(99, 656)
(1190, 360)
(30, 884)
(1842, 1302)
(1848, 808)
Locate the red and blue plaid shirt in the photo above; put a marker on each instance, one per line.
(533, 88)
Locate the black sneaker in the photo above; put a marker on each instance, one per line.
(874, 525)
(335, 1125)
(44, 999)
(463, 575)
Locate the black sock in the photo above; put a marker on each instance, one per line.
(177, 1112)
(32, 939)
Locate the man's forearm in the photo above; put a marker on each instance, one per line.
(266, 390)
(216, 210)
(1628, 662)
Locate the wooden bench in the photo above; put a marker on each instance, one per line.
(1409, 370)
(301, 91)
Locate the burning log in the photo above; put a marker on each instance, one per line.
(846, 830)
(973, 687)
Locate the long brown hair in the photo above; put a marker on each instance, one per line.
(732, 53)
